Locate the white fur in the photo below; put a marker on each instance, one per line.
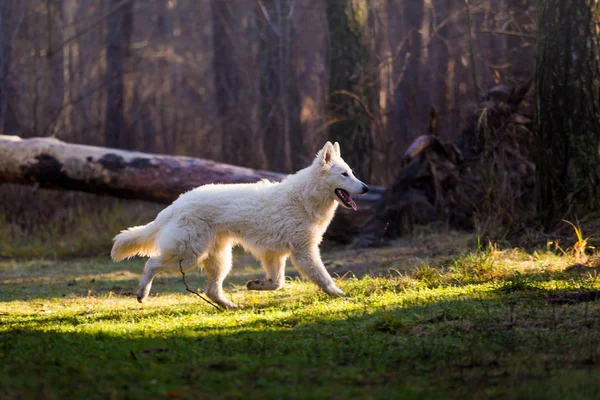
(273, 221)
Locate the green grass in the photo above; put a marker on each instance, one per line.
(482, 324)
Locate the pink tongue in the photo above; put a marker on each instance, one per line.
(351, 202)
(347, 199)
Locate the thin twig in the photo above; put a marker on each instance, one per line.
(362, 103)
(276, 30)
(193, 291)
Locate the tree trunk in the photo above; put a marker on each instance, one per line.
(69, 52)
(567, 104)
(234, 124)
(118, 40)
(6, 8)
(279, 98)
(349, 95)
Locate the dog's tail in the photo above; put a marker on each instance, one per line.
(138, 240)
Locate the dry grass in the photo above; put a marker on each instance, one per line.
(56, 224)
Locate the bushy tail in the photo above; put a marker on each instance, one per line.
(138, 240)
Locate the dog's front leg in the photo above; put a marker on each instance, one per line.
(309, 264)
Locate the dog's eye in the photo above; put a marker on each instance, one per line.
(344, 174)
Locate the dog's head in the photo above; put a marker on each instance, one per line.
(338, 176)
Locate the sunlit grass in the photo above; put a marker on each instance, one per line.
(489, 322)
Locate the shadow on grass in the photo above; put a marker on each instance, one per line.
(44, 290)
(125, 285)
(449, 348)
(48, 279)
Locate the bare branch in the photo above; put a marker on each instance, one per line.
(273, 27)
(194, 292)
(83, 31)
(510, 33)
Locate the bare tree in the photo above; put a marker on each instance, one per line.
(231, 80)
(6, 10)
(350, 95)
(233, 119)
(567, 120)
(69, 56)
(119, 27)
(279, 98)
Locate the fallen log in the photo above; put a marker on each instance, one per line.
(53, 164)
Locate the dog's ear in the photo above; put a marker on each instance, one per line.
(327, 153)
(336, 146)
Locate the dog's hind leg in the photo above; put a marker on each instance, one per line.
(155, 266)
(180, 248)
(274, 266)
(217, 265)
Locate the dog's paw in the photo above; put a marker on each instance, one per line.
(142, 295)
(334, 291)
(228, 305)
(254, 284)
(257, 284)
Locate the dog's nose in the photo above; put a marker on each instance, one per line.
(365, 189)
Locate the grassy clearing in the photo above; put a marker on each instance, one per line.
(484, 324)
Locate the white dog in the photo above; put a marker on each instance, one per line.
(273, 221)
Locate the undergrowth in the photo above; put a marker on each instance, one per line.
(52, 224)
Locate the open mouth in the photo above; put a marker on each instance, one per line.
(346, 199)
